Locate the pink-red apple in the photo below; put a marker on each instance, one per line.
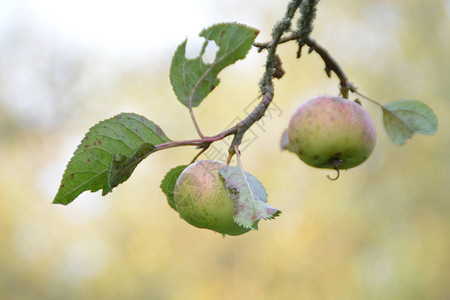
(331, 132)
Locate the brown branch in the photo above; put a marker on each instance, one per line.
(252, 118)
(287, 38)
(331, 64)
(199, 143)
(266, 85)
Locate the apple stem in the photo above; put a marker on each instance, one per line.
(336, 163)
(199, 153)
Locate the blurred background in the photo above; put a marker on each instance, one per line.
(382, 231)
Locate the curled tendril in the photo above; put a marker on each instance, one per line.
(336, 163)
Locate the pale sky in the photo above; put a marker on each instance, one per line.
(38, 35)
(125, 27)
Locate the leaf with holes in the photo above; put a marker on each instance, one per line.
(193, 78)
(108, 155)
(249, 197)
(403, 118)
(169, 181)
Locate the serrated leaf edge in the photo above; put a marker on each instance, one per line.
(254, 224)
(108, 168)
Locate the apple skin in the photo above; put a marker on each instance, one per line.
(202, 200)
(331, 132)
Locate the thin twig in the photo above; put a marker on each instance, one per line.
(200, 143)
(200, 153)
(331, 64)
(370, 99)
(194, 120)
(305, 22)
(191, 99)
(291, 37)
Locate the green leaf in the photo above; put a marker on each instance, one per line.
(108, 155)
(122, 166)
(193, 78)
(249, 197)
(403, 118)
(169, 181)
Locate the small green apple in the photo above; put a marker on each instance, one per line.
(331, 132)
(202, 200)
